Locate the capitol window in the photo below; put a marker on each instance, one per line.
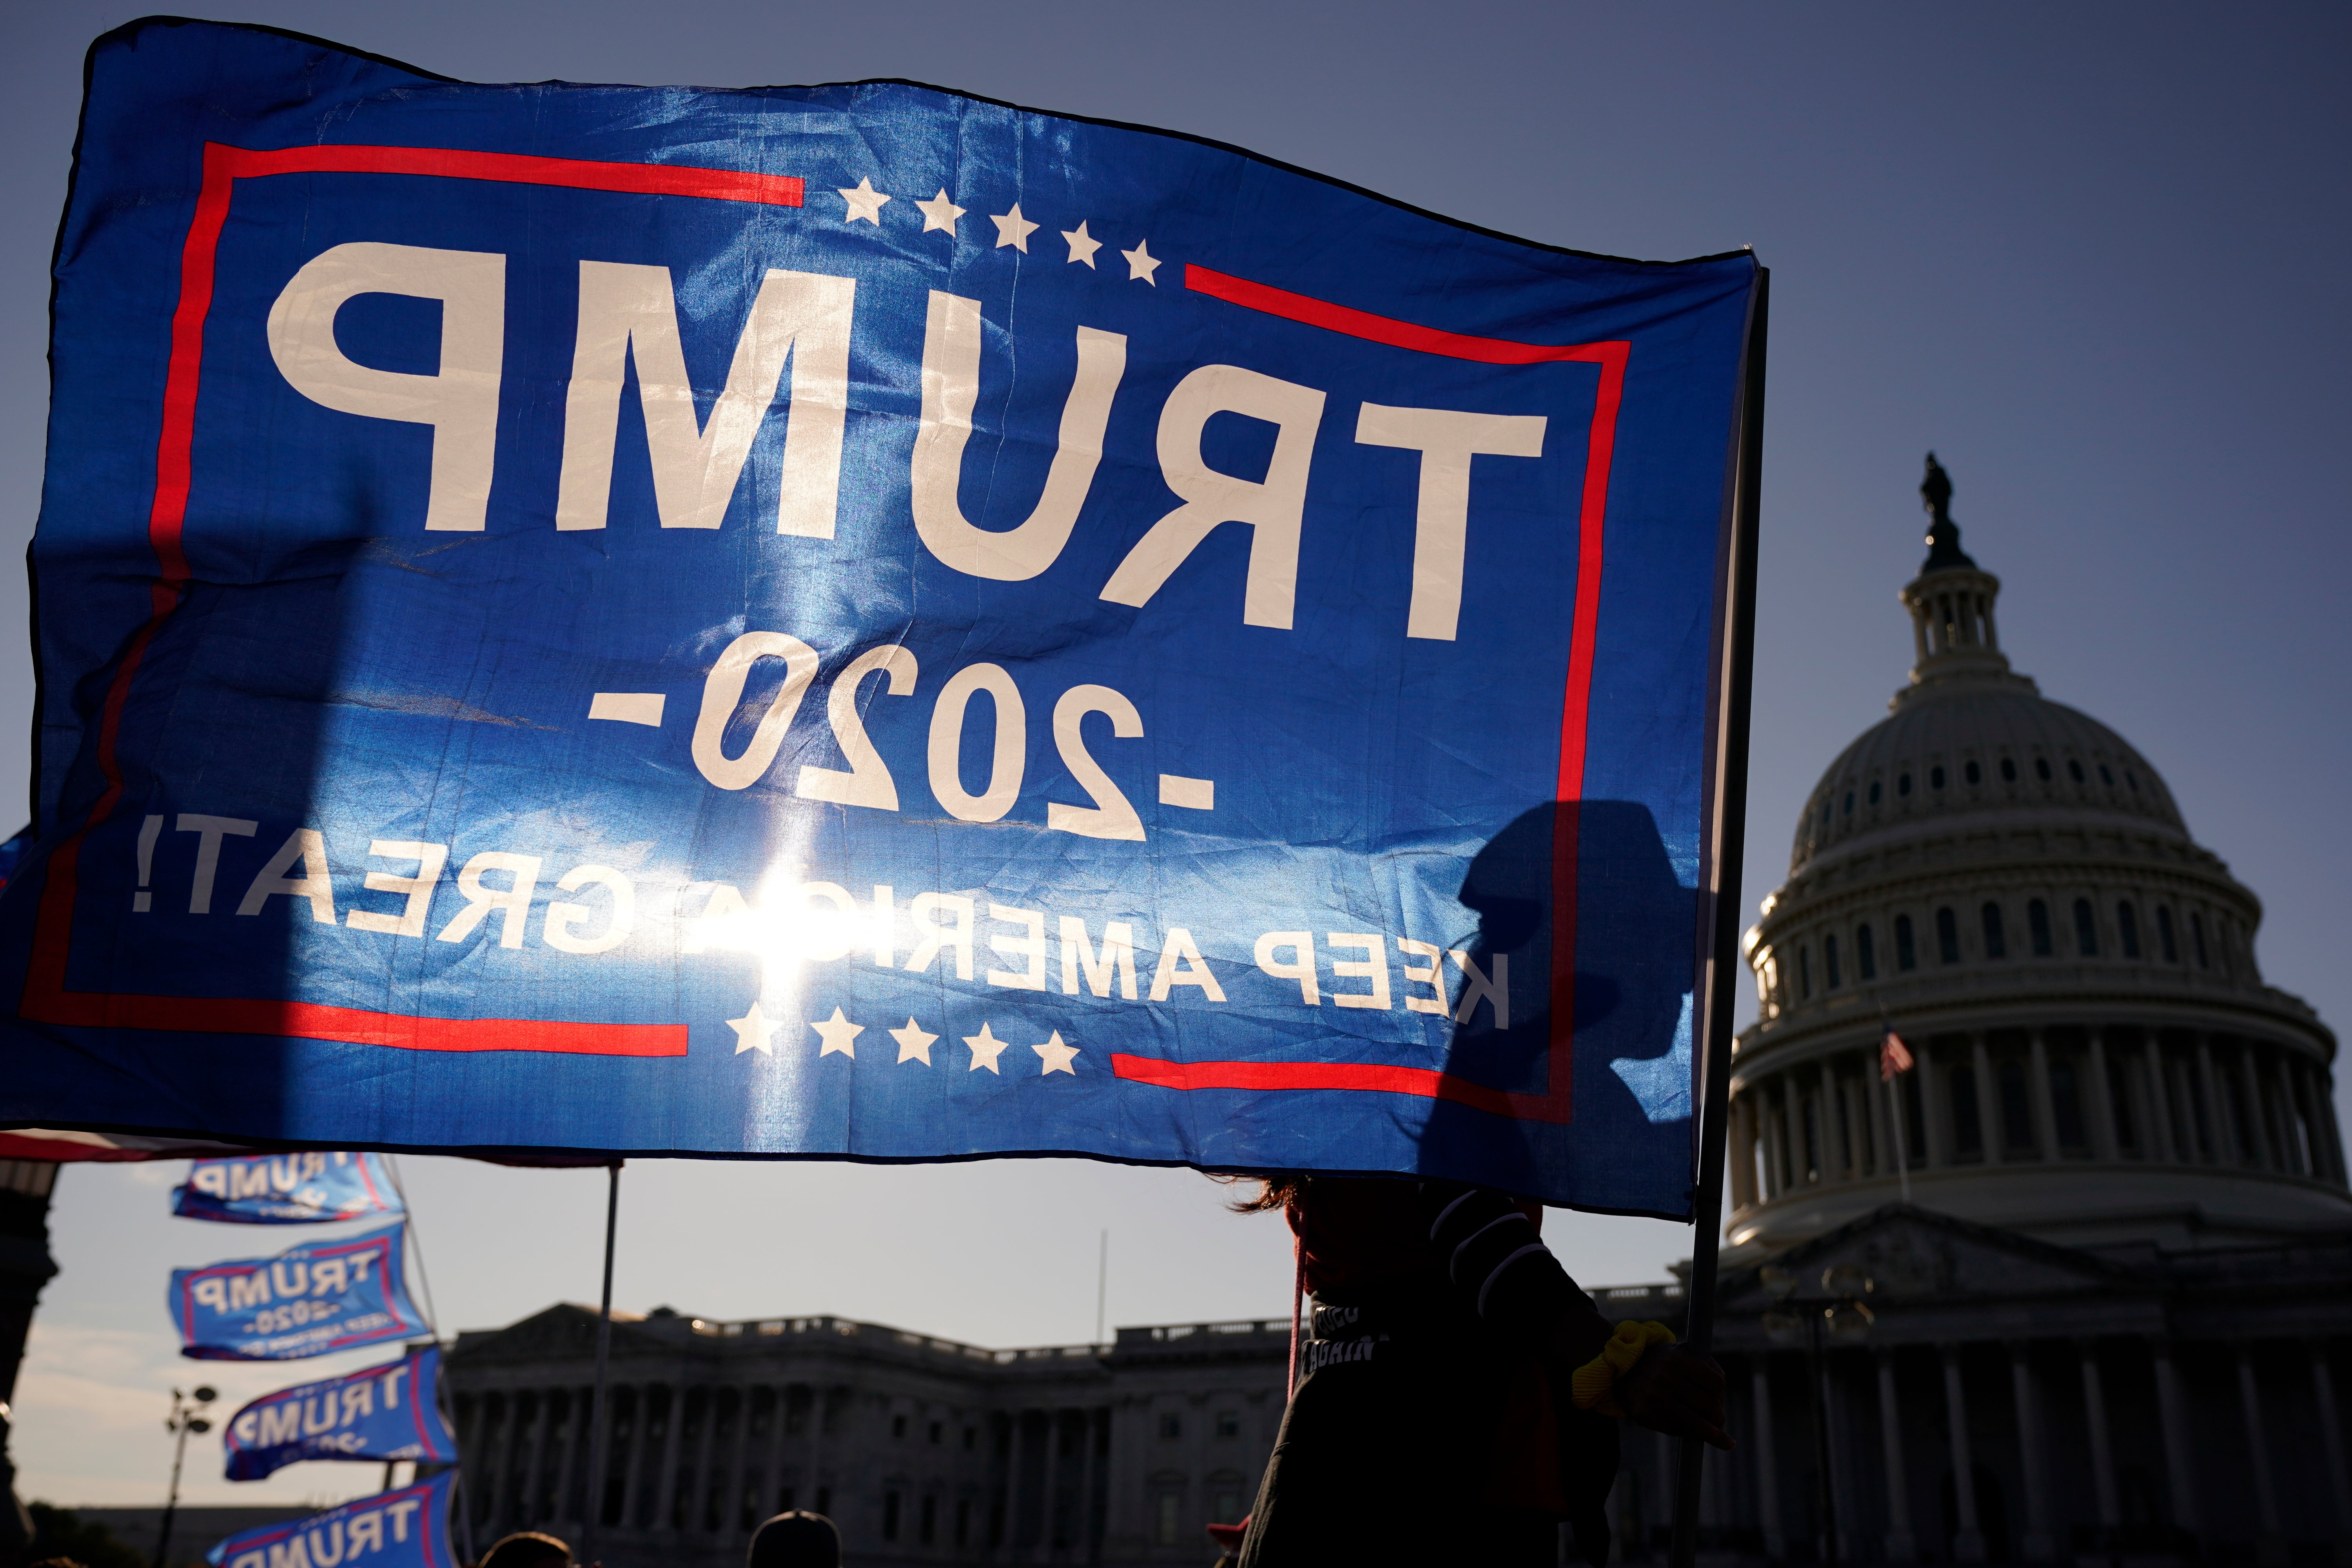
(2042, 769)
(1171, 1427)
(2164, 941)
(1805, 974)
(2087, 928)
(1167, 1511)
(2107, 777)
(2075, 769)
(2197, 938)
(890, 1516)
(1906, 955)
(2037, 924)
(1903, 785)
(1935, 778)
(1996, 941)
(2008, 770)
(1229, 1423)
(1849, 803)
(1829, 961)
(1947, 936)
(2127, 928)
(1866, 954)
(1975, 773)
(1874, 792)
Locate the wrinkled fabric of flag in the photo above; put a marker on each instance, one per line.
(378, 1412)
(312, 1299)
(404, 1529)
(308, 1187)
(854, 621)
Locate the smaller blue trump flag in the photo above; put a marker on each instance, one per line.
(388, 1412)
(404, 1529)
(311, 1300)
(303, 1188)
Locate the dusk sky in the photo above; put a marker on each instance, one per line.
(2091, 255)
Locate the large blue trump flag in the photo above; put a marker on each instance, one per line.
(388, 1412)
(311, 1300)
(857, 621)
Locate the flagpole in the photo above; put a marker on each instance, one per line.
(1902, 1154)
(591, 1506)
(1728, 833)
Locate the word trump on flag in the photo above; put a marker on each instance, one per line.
(858, 622)
(303, 1188)
(389, 1412)
(404, 1529)
(306, 1301)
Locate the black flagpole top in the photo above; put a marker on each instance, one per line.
(1944, 552)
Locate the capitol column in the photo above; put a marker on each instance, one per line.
(1992, 1129)
(1743, 1153)
(2172, 1417)
(2159, 1102)
(732, 1497)
(1768, 1479)
(1902, 1546)
(531, 1446)
(1968, 1545)
(2331, 1432)
(2102, 1452)
(2257, 1118)
(567, 1462)
(2045, 1111)
(2269, 1547)
(1938, 1153)
(2219, 1129)
(2041, 1542)
(667, 1505)
(2104, 1145)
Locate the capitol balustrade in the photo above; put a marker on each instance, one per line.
(1981, 985)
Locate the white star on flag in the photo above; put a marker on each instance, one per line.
(985, 1049)
(1012, 229)
(914, 1046)
(1141, 263)
(865, 201)
(1083, 246)
(839, 1035)
(940, 212)
(1056, 1056)
(752, 1031)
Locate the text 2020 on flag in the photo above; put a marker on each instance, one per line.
(857, 621)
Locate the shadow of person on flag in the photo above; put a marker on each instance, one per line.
(1628, 1061)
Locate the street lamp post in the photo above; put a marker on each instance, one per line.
(186, 1416)
(1844, 1315)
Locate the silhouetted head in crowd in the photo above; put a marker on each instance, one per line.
(796, 1540)
(528, 1549)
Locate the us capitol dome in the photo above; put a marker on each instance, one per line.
(2009, 886)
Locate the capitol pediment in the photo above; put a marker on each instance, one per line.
(563, 1330)
(1912, 1256)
